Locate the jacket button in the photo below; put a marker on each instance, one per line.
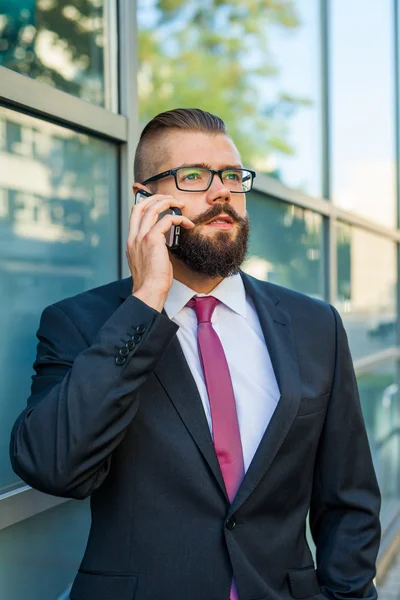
(130, 345)
(120, 360)
(136, 338)
(124, 351)
(231, 523)
(140, 329)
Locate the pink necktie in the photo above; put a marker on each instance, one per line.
(225, 424)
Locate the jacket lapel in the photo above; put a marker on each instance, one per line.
(277, 330)
(175, 376)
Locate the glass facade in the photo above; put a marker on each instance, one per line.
(307, 91)
(367, 291)
(39, 557)
(380, 398)
(286, 245)
(58, 237)
(362, 84)
(65, 45)
(240, 61)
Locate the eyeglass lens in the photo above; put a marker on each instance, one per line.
(198, 179)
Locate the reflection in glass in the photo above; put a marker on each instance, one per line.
(59, 43)
(366, 289)
(58, 237)
(285, 245)
(47, 549)
(258, 69)
(380, 399)
(363, 114)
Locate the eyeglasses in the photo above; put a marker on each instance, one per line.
(199, 179)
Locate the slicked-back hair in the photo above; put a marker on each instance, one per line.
(151, 150)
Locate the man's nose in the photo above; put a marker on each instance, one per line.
(218, 191)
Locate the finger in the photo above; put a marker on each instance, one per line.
(166, 223)
(138, 211)
(152, 214)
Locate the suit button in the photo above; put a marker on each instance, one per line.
(231, 523)
(140, 329)
(120, 360)
(124, 351)
(136, 338)
(130, 345)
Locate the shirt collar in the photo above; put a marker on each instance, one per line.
(230, 291)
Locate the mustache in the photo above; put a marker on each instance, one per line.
(215, 211)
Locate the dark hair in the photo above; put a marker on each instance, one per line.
(151, 153)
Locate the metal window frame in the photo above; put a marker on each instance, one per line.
(40, 100)
(43, 101)
(128, 68)
(277, 190)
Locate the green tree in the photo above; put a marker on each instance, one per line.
(33, 33)
(216, 55)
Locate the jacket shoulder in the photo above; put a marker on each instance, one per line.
(109, 294)
(308, 315)
(291, 300)
(89, 310)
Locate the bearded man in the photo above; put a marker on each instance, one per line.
(205, 412)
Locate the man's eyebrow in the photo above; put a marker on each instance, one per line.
(206, 166)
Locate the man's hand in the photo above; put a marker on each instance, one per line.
(146, 250)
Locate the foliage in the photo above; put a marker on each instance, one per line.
(55, 42)
(216, 55)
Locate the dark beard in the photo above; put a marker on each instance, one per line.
(219, 256)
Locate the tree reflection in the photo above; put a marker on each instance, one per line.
(288, 242)
(57, 43)
(216, 55)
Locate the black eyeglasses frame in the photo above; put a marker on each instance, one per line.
(212, 171)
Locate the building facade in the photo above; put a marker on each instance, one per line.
(309, 90)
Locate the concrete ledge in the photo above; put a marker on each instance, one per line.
(24, 502)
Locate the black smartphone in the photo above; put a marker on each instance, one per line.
(173, 235)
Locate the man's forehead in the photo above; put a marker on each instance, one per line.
(202, 149)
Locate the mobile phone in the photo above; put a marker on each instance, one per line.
(173, 235)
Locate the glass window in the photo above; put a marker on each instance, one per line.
(40, 556)
(366, 289)
(58, 237)
(363, 114)
(286, 245)
(379, 393)
(258, 69)
(63, 44)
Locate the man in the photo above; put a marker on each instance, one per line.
(205, 412)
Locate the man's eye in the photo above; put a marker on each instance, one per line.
(191, 176)
(233, 176)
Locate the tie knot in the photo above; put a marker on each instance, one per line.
(204, 307)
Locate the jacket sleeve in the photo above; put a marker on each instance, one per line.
(84, 397)
(345, 504)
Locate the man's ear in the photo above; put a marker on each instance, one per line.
(139, 186)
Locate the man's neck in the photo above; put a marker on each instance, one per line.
(196, 281)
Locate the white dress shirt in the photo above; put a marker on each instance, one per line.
(236, 322)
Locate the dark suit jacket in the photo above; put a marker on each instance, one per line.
(115, 414)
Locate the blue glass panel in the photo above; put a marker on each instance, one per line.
(256, 65)
(367, 279)
(40, 556)
(286, 245)
(58, 237)
(362, 90)
(380, 399)
(62, 44)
